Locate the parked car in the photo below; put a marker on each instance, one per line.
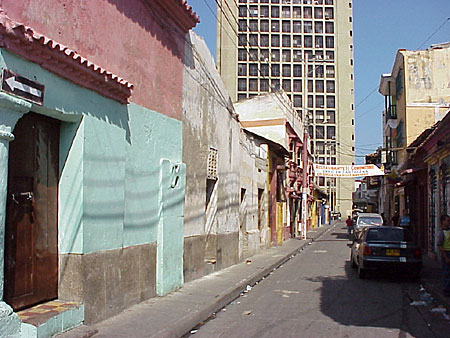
(383, 248)
(364, 220)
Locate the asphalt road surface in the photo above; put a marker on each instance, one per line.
(318, 294)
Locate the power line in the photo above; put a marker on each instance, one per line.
(437, 30)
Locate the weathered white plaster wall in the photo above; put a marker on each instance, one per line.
(253, 176)
(208, 121)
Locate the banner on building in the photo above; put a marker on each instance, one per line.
(347, 170)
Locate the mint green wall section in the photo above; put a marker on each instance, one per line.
(110, 165)
(169, 274)
(153, 136)
(70, 211)
(103, 184)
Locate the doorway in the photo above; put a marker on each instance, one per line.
(31, 245)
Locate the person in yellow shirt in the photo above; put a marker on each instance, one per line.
(443, 244)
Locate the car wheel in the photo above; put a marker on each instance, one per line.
(352, 261)
(361, 272)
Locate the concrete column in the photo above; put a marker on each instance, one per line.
(11, 110)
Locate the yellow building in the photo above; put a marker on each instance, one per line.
(417, 95)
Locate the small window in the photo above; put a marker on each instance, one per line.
(286, 55)
(212, 164)
(275, 70)
(275, 11)
(329, 41)
(320, 132)
(287, 85)
(242, 69)
(297, 101)
(242, 11)
(264, 26)
(331, 101)
(286, 70)
(242, 25)
(331, 116)
(253, 69)
(275, 26)
(242, 85)
(242, 55)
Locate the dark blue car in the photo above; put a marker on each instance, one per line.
(383, 248)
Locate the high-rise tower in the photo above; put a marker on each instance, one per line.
(306, 48)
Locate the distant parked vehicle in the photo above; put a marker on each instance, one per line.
(364, 220)
(382, 248)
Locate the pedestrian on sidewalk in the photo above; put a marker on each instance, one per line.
(405, 220)
(349, 223)
(395, 219)
(443, 244)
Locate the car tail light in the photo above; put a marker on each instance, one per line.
(367, 250)
(417, 253)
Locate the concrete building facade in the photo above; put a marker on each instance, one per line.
(304, 47)
(211, 152)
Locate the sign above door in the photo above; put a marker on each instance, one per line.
(22, 87)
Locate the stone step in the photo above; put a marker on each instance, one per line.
(50, 318)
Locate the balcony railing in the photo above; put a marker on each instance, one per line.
(391, 113)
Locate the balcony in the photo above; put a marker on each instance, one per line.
(391, 112)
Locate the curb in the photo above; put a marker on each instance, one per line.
(182, 326)
(190, 322)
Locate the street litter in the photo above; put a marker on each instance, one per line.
(247, 313)
(194, 331)
(248, 261)
(439, 310)
(421, 288)
(418, 303)
(426, 297)
(249, 287)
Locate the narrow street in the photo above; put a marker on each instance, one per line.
(318, 294)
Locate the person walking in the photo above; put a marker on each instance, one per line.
(395, 219)
(349, 223)
(405, 220)
(443, 244)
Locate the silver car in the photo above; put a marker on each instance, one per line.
(365, 220)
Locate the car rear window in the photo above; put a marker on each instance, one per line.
(386, 235)
(370, 221)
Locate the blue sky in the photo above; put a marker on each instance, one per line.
(381, 27)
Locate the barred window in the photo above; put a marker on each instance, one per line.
(212, 164)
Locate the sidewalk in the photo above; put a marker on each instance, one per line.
(431, 280)
(177, 313)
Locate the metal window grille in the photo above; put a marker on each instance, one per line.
(212, 164)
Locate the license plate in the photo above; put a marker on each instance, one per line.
(392, 252)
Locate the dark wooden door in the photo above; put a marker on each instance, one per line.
(31, 253)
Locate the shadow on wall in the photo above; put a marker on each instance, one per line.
(157, 27)
(226, 200)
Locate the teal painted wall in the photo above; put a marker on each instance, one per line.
(169, 274)
(110, 162)
(153, 136)
(70, 225)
